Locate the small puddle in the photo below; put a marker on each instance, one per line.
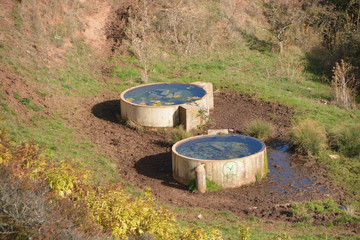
(286, 176)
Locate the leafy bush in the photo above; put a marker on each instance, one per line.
(61, 178)
(346, 139)
(244, 233)
(29, 209)
(308, 137)
(260, 129)
(116, 211)
(56, 200)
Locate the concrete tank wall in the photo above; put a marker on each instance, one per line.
(227, 173)
(150, 116)
(160, 116)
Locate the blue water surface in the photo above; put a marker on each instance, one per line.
(220, 147)
(164, 94)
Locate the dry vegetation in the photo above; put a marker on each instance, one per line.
(343, 82)
(43, 198)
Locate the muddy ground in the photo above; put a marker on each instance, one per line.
(144, 159)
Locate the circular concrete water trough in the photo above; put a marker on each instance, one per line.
(158, 105)
(229, 160)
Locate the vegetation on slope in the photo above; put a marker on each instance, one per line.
(288, 52)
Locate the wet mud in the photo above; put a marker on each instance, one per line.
(143, 158)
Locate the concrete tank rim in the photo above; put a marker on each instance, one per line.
(122, 98)
(173, 149)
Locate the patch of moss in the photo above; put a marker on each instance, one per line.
(211, 186)
(266, 165)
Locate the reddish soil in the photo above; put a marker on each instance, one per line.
(144, 158)
(13, 89)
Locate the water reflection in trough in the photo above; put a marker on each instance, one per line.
(285, 175)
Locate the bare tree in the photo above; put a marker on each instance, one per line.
(25, 211)
(139, 34)
(343, 82)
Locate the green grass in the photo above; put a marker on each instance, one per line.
(229, 224)
(27, 102)
(343, 170)
(211, 186)
(255, 73)
(247, 67)
(61, 142)
(304, 212)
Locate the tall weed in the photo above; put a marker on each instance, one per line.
(309, 137)
(346, 139)
(260, 129)
(343, 82)
(178, 134)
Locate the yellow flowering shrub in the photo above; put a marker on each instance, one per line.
(114, 209)
(61, 178)
(5, 155)
(200, 234)
(123, 215)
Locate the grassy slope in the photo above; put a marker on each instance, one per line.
(267, 75)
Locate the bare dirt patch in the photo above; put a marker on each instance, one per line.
(143, 157)
(20, 96)
(96, 23)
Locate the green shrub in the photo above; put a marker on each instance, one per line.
(308, 137)
(244, 233)
(90, 209)
(346, 139)
(260, 129)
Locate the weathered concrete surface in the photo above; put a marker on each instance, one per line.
(209, 89)
(165, 116)
(227, 173)
(218, 131)
(201, 178)
(189, 116)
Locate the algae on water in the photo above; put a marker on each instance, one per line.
(164, 94)
(215, 150)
